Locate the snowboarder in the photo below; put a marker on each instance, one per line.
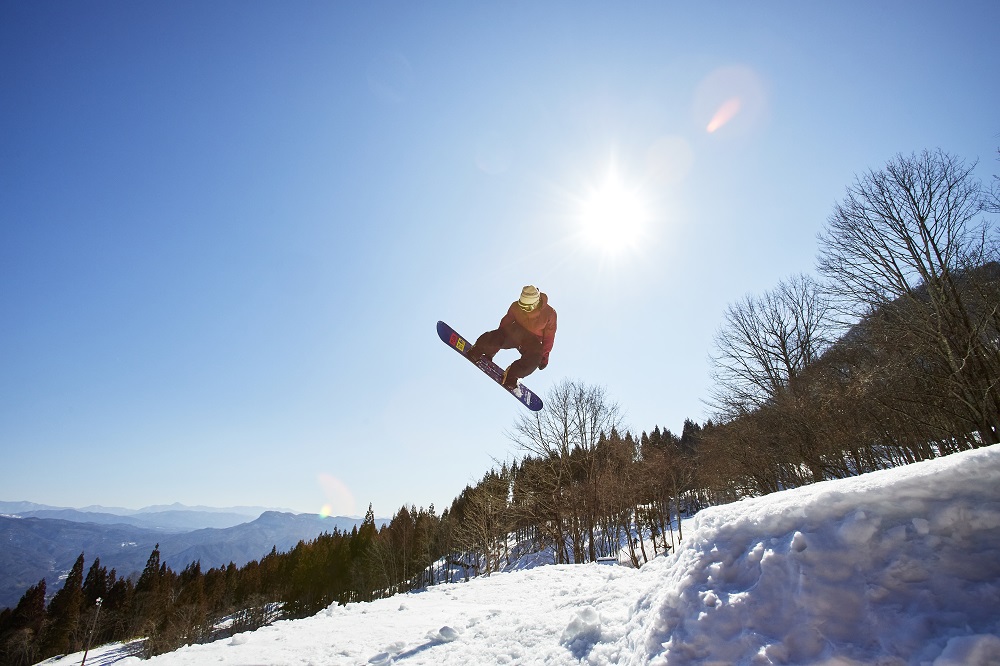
(530, 327)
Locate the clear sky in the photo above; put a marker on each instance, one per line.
(227, 228)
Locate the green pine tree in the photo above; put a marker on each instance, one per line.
(95, 585)
(150, 599)
(20, 631)
(62, 633)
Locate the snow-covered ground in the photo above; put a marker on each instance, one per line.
(891, 568)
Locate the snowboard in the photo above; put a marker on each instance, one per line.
(451, 338)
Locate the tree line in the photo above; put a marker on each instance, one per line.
(569, 502)
(890, 356)
(168, 609)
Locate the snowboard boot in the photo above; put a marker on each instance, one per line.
(476, 356)
(509, 382)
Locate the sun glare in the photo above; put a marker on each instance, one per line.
(613, 216)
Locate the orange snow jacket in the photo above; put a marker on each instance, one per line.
(540, 322)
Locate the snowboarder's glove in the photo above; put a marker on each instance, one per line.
(544, 362)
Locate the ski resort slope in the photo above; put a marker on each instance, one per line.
(890, 568)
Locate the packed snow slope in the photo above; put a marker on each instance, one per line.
(895, 567)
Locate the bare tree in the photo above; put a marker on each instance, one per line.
(762, 349)
(575, 417)
(909, 244)
(564, 438)
(766, 342)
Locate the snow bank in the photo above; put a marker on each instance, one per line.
(901, 566)
(891, 568)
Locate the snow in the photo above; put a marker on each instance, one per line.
(890, 568)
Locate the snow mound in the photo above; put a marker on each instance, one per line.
(888, 565)
(964, 650)
(583, 631)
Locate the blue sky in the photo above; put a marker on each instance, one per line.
(227, 229)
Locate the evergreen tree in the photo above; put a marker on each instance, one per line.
(20, 631)
(361, 547)
(117, 609)
(150, 599)
(187, 621)
(95, 585)
(690, 436)
(150, 577)
(368, 529)
(30, 610)
(63, 633)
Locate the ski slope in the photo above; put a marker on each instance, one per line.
(890, 568)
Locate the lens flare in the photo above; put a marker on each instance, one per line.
(726, 112)
(734, 98)
(340, 500)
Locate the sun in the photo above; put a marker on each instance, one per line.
(613, 216)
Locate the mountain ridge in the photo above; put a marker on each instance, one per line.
(32, 548)
(252, 511)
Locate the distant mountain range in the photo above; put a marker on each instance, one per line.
(169, 518)
(38, 541)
